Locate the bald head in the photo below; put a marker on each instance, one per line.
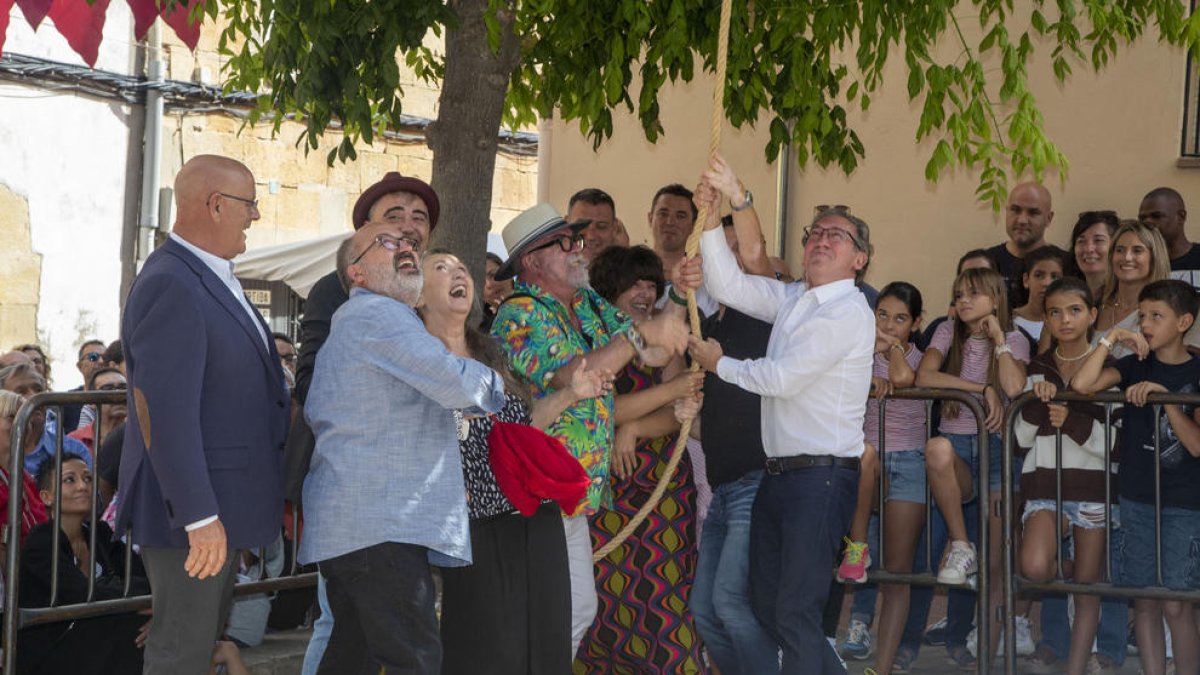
(383, 258)
(215, 202)
(13, 358)
(1163, 209)
(1027, 216)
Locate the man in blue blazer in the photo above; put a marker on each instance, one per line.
(208, 410)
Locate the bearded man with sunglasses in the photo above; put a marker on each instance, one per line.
(814, 382)
(548, 327)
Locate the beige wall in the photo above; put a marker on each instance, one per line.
(314, 199)
(22, 273)
(1120, 130)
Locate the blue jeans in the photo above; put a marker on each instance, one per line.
(862, 607)
(322, 627)
(798, 521)
(1114, 616)
(720, 601)
(1180, 546)
(960, 604)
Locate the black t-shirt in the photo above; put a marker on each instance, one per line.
(1187, 266)
(731, 418)
(1180, 470)
(1011, 268)
(108, 463)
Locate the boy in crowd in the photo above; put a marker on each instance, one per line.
(1160, 363)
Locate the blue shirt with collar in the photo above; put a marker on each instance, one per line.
(386, 467)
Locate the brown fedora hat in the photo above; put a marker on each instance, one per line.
(532, 224)
(394, 181)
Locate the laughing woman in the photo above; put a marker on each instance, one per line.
(643, 624)
(509, 613)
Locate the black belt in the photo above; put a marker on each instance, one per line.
(778, 465)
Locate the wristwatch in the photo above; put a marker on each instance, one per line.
(747, 202)
(1003, 349)
(635, 338)
(1108, 344)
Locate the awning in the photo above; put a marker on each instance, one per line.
(300, 264)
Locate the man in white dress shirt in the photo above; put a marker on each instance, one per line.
(814, 383)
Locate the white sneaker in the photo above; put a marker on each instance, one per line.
(960, 564)
(1025, 645)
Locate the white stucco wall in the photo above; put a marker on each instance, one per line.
(66, 155)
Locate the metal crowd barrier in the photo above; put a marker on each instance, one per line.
(1013, 582)
(15, 617)
(929, 578)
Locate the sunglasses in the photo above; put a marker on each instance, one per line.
(566, 243)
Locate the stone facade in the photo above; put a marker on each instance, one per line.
(23, 272)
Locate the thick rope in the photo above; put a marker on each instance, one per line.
(692, 248)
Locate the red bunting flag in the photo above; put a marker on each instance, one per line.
(5, 10)
(35, 10)
(146, 11)
(82, 24)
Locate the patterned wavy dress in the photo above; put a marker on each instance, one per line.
(643, 624)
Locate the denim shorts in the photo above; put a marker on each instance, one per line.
(965, 446)
(1180, 546)
(1084, 515)
(905, 471)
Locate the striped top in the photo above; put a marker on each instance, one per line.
(905, 422)
(976, 356)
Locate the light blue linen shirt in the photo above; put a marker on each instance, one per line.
(386, 467)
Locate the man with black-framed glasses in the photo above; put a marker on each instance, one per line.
(200, 474)
(814, 382)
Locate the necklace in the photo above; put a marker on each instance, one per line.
(1072, 359)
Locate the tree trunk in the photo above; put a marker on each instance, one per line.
(463, 137)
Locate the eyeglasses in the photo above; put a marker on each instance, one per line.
(567, 244)
(252, 203)
(92, 356)
(835, 235)
(388, 242)
(116, 386)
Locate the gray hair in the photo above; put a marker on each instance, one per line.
(344, 252)
(862, 233)
(19, 370)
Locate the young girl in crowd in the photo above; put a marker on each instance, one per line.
(1043, 266)
(897, 317)
(979, 352)
(1069, 318)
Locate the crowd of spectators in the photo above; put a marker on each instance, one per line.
(497, 438)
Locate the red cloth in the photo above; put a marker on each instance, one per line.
(531, 466)
(33, 511)
(82, 24)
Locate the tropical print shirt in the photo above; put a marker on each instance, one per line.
(539, 337)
